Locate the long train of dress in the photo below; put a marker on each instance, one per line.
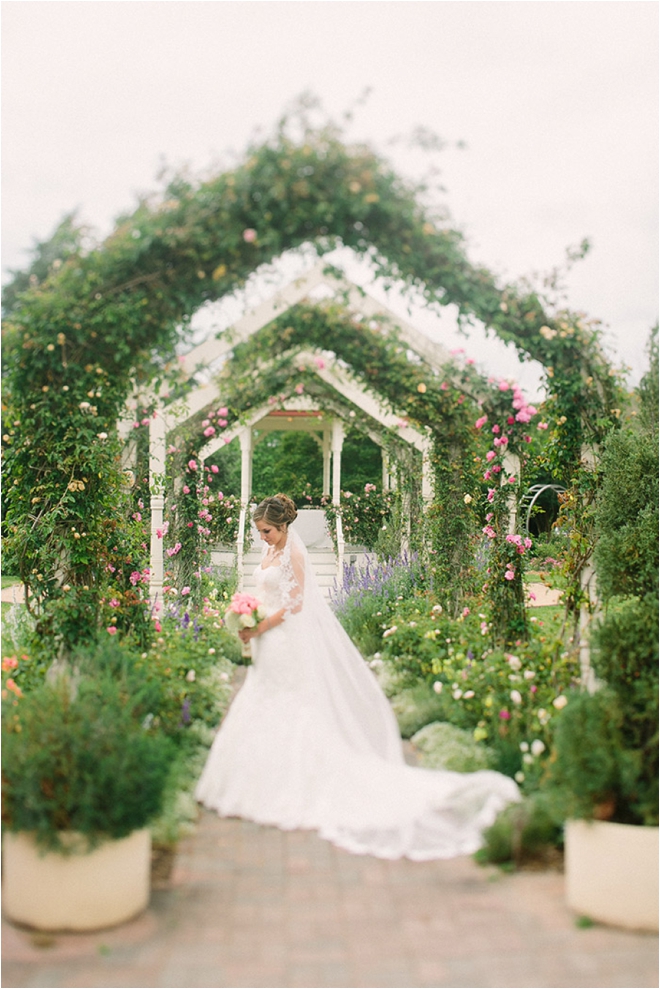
(311, 741)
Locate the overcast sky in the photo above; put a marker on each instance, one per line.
(556, 102)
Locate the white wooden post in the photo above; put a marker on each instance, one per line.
(245, 438)
(427, 474)
(157, 433)
(327, 449)
(337, 444)
(386, 469)
(511, 465)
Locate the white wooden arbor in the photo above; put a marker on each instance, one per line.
(301, 412)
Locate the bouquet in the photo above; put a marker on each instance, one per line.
(245, 611)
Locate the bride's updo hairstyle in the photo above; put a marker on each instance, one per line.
(279, 511)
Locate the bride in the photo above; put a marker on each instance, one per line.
(311, 741)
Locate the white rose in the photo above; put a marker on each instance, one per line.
(437, 686)
(190, 676)
(537, 747)
(560, 702)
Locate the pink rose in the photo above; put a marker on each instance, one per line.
(209, 431)
(481, 422)
(192, 465)
(111, 630)
(223, 411)
(490, 455)
(249, 235)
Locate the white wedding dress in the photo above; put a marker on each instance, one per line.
(310, 741)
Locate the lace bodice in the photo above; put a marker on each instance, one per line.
(269, 590)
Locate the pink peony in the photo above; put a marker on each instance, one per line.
(209, 431)
(192, 465)
(490, 455)
(481, 422)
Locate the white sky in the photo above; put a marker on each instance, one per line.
(556, 101)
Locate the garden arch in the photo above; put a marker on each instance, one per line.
(105, 317)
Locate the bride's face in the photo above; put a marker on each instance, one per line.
(271, 534)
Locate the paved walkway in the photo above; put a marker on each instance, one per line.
(253, 906)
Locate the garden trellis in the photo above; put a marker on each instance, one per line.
(108, 319)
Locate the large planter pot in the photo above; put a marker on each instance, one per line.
(612, 873)
(81, 891)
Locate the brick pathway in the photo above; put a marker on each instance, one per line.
(253, 906)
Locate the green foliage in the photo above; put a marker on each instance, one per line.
(595, 771)
(522, 832)
(369, 594)
(364, 517)
(626, 516)
(509, 700)
(443, 746)
(77, 759)
(47, 258)
(648, 388)
(415, 707)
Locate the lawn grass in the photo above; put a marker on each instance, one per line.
(8, 581)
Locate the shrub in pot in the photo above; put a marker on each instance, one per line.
(605, 762)
(81, 777)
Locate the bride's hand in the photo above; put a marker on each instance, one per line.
(245, 634)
